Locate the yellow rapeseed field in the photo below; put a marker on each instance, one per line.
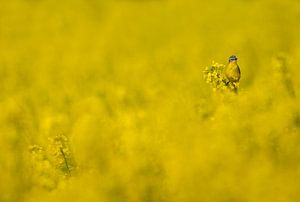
(118, 101)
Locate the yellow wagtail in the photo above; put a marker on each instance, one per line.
(232, 69)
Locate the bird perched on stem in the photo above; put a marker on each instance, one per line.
(232, 70)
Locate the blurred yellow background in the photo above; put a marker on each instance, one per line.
(123, 81)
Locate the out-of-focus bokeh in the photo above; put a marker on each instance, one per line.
(105, 101)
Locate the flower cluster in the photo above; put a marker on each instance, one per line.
(51, 164)
(214, 75)
(60, 154)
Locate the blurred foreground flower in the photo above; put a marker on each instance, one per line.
(52, 164)
(61, 154)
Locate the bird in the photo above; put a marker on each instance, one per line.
(232, 70)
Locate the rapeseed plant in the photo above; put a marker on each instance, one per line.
(52, 164)
(61, 155)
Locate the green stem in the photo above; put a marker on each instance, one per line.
(66, 162)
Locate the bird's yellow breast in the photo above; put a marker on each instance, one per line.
(232, 72)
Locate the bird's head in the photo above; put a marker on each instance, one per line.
(232, 58)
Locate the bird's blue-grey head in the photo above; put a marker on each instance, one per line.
(232, 58)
